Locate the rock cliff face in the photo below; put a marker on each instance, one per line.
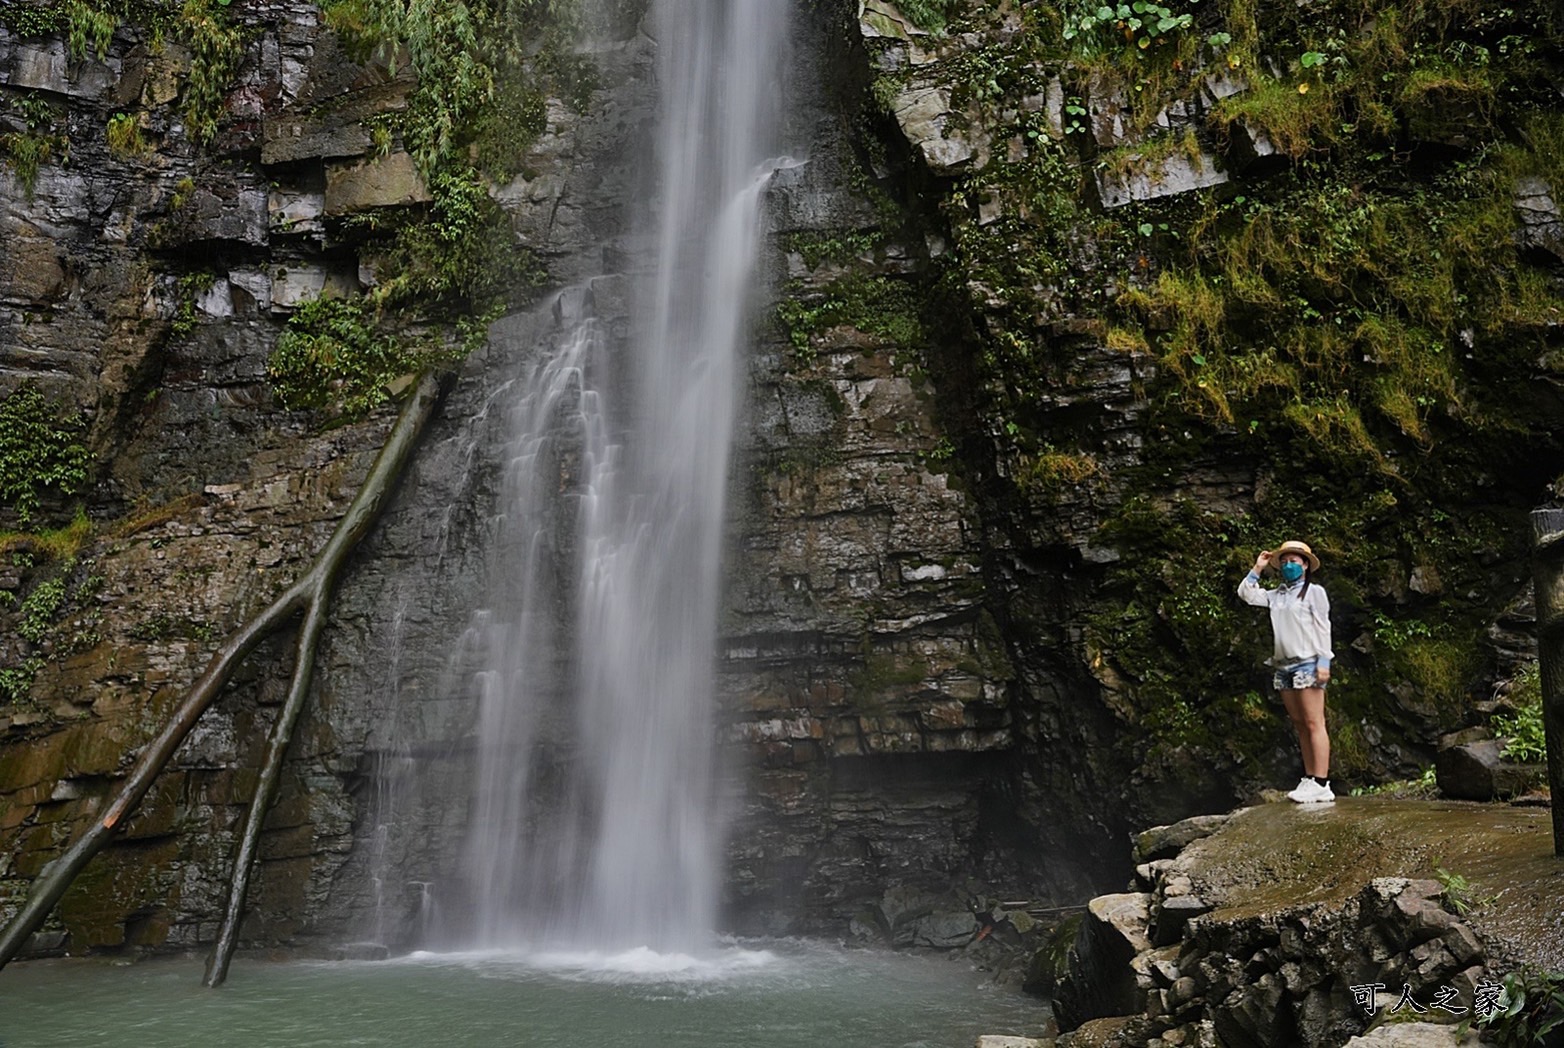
(955, 651)
(870, 714)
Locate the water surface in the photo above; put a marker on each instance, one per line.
(771, 995)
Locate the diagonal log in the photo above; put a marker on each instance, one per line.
(266, 788)
(310, 593)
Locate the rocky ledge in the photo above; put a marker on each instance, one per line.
(1366, 921)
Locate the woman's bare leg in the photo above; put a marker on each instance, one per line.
(1306, 708)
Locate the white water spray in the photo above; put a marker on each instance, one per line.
(594, 822)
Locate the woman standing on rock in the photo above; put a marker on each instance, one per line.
(1300, 621)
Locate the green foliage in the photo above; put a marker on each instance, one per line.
(458, 265)
(124, 136)
(90, 29)
(190, 287)
(443, 43)
(1142, 22)
(29, 149)
(1458, 890)
(1393, 635)
(462, 257)
(932, 15)
(1338, 303)
(161, 627)
(1424, 787)
(839, 248)
(184, 189)
(202, 26)
(1531, 1010)
(505, 130)
(17, 681)
(1052, 469)
(882, 306)
(38, 610)
(26, 153)
(478, 106)
(32, 19)
(484, 68)
(39, 451)
(335, 352)
(62, 543)
(1523, 731)
(216, 48)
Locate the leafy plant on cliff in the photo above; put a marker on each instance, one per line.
(35, 620)
(875, 305)
(36, 144)
(90, 30)
(123, 133)
(442, 271)
(42, 604)
(1142, 22)
(202, 27)
(444, 45)
(216, 47)
(929, 14)
(40, 451)
(335, 352)
(464, 53)
(446, 273)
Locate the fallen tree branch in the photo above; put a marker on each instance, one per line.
(311, 591)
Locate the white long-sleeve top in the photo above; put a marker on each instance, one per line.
(1300, 621)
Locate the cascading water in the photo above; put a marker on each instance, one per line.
(594, 822)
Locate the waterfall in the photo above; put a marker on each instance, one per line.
(594, 821)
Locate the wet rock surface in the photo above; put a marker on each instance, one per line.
(1321, 924)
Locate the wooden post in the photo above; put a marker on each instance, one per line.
(1547, 526)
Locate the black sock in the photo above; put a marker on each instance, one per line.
(1321, 781)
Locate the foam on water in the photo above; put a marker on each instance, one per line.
(640, 965)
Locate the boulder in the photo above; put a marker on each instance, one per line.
(1477, 771)
(1168, 927)
(1101, 980)
(1164, 842)
(295, 212)
(293, 286)
(1416, 1035)
(944, 931)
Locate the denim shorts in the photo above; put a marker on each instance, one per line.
(1297, 676)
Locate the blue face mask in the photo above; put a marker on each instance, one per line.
(1292, 571)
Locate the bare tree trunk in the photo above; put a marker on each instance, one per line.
(1547, 527)
(266, 790)
(312, 592)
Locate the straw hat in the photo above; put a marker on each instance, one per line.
(1300, 548)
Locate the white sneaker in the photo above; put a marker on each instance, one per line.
(1311, 792)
